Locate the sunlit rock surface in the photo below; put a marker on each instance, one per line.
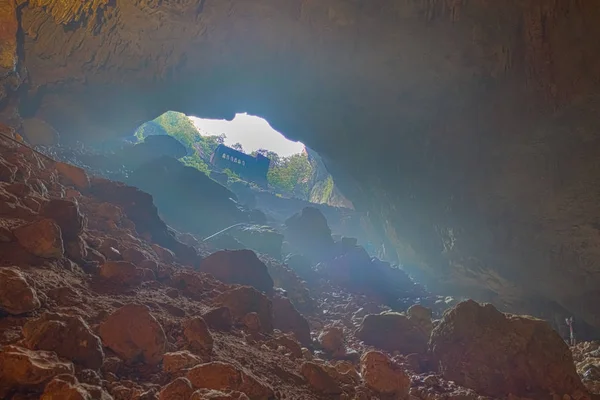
(466, 127)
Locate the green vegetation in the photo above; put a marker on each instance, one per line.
(322, 191)
(179, 126)
(291, 175)
(287, 176)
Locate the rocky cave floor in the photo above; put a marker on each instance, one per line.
(99, 299)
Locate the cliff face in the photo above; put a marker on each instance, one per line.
(467, 127)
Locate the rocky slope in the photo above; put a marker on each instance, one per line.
(99, 299)
(465, 127)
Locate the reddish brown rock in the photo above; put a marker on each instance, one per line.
(134, 334)
(121, 272)
(73, 175)
(67, 387)
(252, 322)
(239, 267)
(319, 379)
(287, 319)
(289, 343)
(135, 256)
(176, 361)
(41, 238)
(332, 340)
(499, 354)
(67, 215)
(219, 319)
(68, 336)
(179, 389)
(225, 376)
(197, 334)
(16, 295)
(165, 255)
(207, 394)
(246, 299)
(24, 368)
(382, 376)
(393, 332)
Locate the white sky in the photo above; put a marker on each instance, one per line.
(252, 132)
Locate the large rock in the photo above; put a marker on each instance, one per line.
(187, 198)
(197, 334)
(224, 376)
(356, 271)
(41, 238)
(179, 389)
(262, 239)
(140, 209)
(318, 377)
(68, 387)
(382, 376)
(209, 394)
(309, 234)
(332, 340)
(393, 332)
(240, 267)
(244, 300)
(121, 272)
(134, 334)
(68, 336)
(287, 319)
(67, 215)
(16, 295)
(498, 354)
(179, 360)
(153, 147)
(38, 132)
(22, 368)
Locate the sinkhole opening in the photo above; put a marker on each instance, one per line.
(247, 150)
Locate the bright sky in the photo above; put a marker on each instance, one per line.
(251, 132)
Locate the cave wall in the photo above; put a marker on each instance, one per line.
(466, 127)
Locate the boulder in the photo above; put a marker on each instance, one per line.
(499, 354)
(422, 317)
(139, 207)
(240, 267)
(219, 319)
(224, 376)
(245, 299)
(67, 215)
(121, 272)
(262, 239)
(252, 322)
(134, 334)
(68, 387)
(382, 376)
(179, 389)
(208, 394)
(319, 379)
(309, 234)
(72, 175)
(296, 289)
(38, 132)
(68, 336)
(22, 368)
(176, 361)
(41, 238)
(197, 334)
(332, 340)
(153, 147)
(16, 295)
(287, 319)
(393, 332)
(187, 197)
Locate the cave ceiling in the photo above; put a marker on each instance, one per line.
(467, 128)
